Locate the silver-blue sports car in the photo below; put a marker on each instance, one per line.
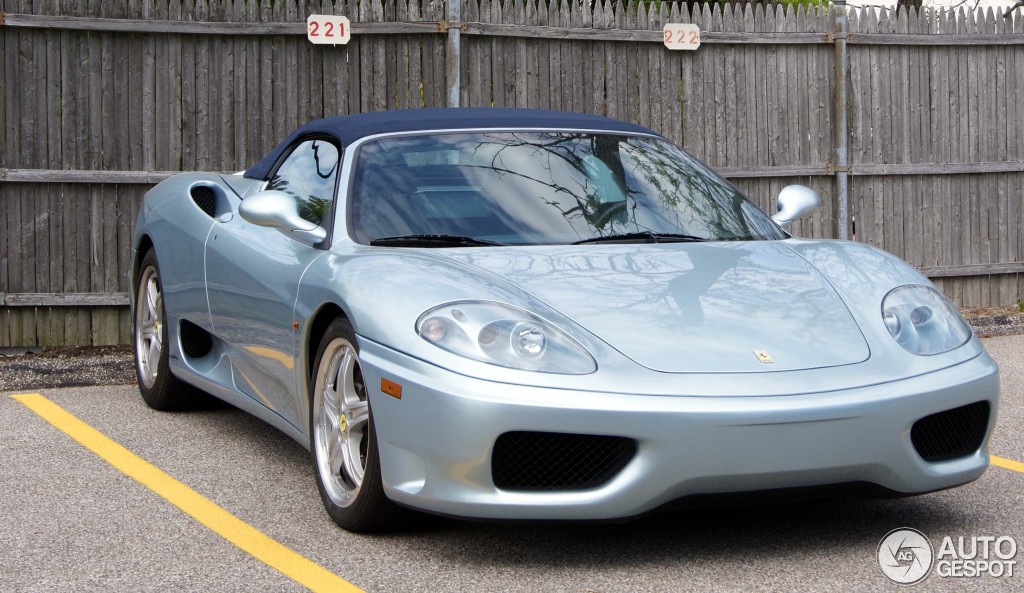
(524, 315)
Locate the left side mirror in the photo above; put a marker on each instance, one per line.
(276, 209)
(795, 201)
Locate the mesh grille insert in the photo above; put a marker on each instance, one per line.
(951, 434)
(195, 341)
(541, 461)
(206, 199)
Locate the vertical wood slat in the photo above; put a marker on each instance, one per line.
(46, 59)
(558, 81)
(7, 136)
(8, 144)
(1015, 145)
(26, 197)
(583, 98)
(651, 73)
(535, 67)
(672, 83)
(210, 74)
(415, 59)
(497, 47)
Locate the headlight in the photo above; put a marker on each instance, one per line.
(923, 321)
(504, 335)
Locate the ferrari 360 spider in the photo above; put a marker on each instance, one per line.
(530, 315)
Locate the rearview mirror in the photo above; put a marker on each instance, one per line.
(795, 201)
(278, 210)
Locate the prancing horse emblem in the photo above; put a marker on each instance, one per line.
(763, 356)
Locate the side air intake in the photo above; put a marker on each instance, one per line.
(209, 198)
(196, 342)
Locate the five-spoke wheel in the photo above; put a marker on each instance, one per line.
(340, 423)
(343, 439)
(149, 322)
(159, 388)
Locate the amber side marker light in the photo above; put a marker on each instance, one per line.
(391, 388)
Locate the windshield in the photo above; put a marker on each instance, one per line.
(531, 188)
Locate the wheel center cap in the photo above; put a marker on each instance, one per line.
(343, 423)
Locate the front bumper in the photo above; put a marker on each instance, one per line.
(436, 442)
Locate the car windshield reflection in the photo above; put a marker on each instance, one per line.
(532, 188)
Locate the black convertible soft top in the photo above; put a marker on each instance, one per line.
(349, 128)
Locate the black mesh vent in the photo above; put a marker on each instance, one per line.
(951, 434)
(557, 461)
(206, 199)
(195, 341)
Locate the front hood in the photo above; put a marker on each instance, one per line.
(689, 307)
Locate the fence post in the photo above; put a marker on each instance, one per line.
(454, 52)
(842, 136)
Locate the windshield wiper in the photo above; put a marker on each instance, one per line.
(644, 237)
(432, 241)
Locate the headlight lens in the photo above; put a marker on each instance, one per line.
(923, 321)
(504, 335)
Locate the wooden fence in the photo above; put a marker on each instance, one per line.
(102, 99)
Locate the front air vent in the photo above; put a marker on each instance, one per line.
(951, 434)
(552, 461)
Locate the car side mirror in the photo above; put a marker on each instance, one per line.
(795, 201)
(276, 209)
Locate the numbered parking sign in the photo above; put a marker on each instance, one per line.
(327, 29)
(682, 36)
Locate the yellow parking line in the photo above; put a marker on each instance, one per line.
(1006, 463)
(288, 562)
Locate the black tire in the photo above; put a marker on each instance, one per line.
(159, 388)
(341, 425)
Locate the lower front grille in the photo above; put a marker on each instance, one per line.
(551, 461)
(951, 434)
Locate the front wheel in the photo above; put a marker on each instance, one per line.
(159, 388)
(343, 440)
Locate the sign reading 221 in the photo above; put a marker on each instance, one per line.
(328, 29)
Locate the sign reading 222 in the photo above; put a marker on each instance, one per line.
(682, 36)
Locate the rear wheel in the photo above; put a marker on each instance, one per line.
(343, 441)
(159, 388)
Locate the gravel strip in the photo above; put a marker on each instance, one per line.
(22, 369)
(997, 325)
(32, 369)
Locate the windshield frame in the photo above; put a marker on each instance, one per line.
(344, 205)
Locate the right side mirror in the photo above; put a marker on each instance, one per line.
(795, 201)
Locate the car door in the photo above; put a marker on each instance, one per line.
(253, 273)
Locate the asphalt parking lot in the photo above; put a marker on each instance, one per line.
(72, 521)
